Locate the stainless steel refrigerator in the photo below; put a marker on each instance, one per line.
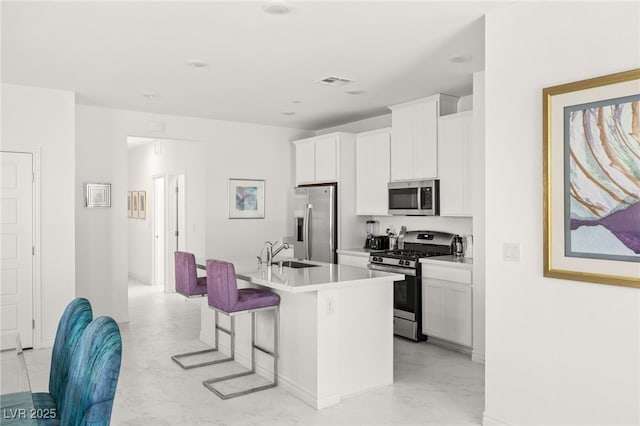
(315, 227)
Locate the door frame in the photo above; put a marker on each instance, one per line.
(36, 303)
(173, 204)
(165, 253)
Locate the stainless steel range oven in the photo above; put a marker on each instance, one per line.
(407, 293)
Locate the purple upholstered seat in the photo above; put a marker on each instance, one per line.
(187, 281)
(223, 292)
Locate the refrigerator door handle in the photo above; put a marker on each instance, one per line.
(307, 217)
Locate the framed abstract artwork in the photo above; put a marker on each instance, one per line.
(246, 199)
(97, 195)
(591, 180)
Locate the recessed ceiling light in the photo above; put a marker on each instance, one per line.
(288, 113)
(196, 63)
(333, 80)
(295, 102)
(354, 91)
(150, 95)
(460, 59)
(276, 7)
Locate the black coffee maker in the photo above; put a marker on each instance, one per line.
(375, 241)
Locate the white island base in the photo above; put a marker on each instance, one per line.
(336, 330)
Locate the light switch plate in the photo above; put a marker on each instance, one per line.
(511, 252)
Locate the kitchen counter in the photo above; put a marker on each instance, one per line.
(325, 276)
(336, 329)
(364, 252)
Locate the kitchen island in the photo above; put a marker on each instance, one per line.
(336, 329)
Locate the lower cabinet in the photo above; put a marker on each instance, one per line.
(447, 304)
(350, 260)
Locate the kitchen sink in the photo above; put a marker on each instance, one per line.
(294, 264)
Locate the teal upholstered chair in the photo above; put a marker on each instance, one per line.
(93, 375)
(75, 318)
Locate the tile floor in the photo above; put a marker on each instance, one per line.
(433, 386)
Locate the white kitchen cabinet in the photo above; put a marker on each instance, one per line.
(455, 164)
(414, 145)
(447, 303)
(331, 158)
(317, 159)
(305, 162)
(357, 261)
(372, 172)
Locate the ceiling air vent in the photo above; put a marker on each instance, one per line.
(332, 80)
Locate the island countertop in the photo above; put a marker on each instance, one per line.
(321, 277)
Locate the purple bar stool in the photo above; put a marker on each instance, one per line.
(189, 284)
(225, 297)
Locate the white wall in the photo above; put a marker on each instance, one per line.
(43, 119)
(359, 126)
(165, 158)
(232, 150)
(557, 352)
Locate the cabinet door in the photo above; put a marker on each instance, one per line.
(467, 203)
(454, 139)
(433, 308)
(326, 163)
(364, 175)
(372, 173)
(305, 162)
(402, 144)
(458, 323)
(357, 261)
(426, 140)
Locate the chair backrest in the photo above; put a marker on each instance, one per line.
(186, 273)
(222, 288)
(95, 367)
(75, 318)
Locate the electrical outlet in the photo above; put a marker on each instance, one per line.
(331, 305)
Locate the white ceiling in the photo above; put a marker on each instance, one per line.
(111, 53)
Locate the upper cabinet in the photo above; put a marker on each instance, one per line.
(414, 145)
(317, 159)
(454, 156)
(372, 172)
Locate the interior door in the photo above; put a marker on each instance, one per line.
(16, 248)
(159, 224)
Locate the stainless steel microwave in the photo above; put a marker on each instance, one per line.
(415, 198)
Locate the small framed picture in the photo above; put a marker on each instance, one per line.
(129, 209)
(246, 199)
(134, 204)
(97, 195)
(142, 204)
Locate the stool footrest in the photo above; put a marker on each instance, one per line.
(263, 350)
(177, 359)
(209, 385)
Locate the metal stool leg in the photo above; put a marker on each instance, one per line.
(178, 358)
(209, 383)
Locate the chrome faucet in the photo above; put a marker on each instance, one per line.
(272, 252)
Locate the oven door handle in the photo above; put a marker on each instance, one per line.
(397, 270)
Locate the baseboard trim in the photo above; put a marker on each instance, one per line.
(488, 420)
(478, 357)
(450, 345)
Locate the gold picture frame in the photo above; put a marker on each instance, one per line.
(591, 180)
(142, 205)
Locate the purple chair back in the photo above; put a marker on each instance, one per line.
(222, 288)
(186, 274)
